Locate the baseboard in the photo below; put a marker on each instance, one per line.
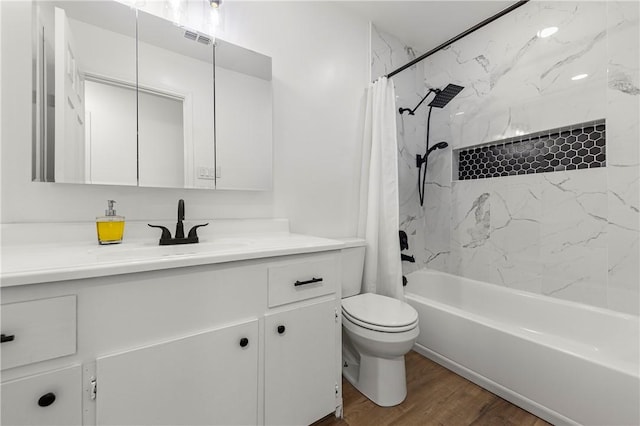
(515, 398)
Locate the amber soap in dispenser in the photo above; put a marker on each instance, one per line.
(110, 226)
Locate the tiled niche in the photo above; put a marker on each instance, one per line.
(579, 146)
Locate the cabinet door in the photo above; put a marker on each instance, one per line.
(300, 364)
(208, 378)
(52, 398)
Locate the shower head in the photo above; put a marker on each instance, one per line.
(439, 145)
(421, 159)
(439, 101)
(444, 96)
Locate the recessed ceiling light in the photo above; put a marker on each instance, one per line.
(579, 77)
(546, 32)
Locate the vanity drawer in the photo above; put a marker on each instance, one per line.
(38, 330)
(303, 278)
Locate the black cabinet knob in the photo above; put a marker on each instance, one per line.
(244, 342)
(7, 338)
(281, 329)
(47, 399)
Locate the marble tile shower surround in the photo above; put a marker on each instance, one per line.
(571, 234)
(542, 233)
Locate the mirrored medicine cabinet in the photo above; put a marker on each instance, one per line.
(124, 97)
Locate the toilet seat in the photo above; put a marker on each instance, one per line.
(379, 313)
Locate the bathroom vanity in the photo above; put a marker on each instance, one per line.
(234, 330)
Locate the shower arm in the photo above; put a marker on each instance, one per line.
(412, 111)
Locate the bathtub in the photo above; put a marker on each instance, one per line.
(565, 362)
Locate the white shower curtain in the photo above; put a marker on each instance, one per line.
(379, 209)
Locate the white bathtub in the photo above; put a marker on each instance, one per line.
(565, 362)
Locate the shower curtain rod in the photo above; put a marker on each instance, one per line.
(458, 37)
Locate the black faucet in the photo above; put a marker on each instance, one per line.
(179, 227)
(165, 238)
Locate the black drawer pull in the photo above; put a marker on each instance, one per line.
(244, 342)
(47, 399)
(311, 281)
(281, 329)
(5, 338)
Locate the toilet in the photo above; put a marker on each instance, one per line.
(377, 331)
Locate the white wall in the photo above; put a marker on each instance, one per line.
(319, 76)
(320, 69)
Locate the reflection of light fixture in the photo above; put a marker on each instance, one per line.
(579, 77)
(546, 32)
(215, 3)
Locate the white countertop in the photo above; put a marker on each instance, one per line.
(40, 262)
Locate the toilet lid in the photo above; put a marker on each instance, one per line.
(379, 312)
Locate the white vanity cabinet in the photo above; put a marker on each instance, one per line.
(300, 340)
(242, 342)
(300, 379)
(207, 378)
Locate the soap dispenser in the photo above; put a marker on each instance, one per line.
(110, 226)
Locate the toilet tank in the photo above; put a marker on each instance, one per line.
(352, 268)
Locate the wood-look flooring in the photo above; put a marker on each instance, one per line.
(435, 396)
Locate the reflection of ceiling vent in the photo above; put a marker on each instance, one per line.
(204, 39)
(190, 35)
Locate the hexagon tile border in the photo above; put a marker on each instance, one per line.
(579, 146)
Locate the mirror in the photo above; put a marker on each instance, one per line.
(85, 100)
(243, 118)
(141, 110)
(176, 108)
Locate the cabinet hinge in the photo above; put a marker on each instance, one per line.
(93, 392)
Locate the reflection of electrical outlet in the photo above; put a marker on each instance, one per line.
(206, 173)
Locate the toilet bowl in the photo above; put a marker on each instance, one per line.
(377, 332)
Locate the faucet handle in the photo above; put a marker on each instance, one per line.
(180, 210)
(166, 234)
(192, 231)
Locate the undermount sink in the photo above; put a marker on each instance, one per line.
(122, 252)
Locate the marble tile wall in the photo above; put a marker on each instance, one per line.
(568, 234)
(623, 155)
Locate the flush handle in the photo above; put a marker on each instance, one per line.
(47, 399)
(311, 281)
(281, 329)
(4, 338)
